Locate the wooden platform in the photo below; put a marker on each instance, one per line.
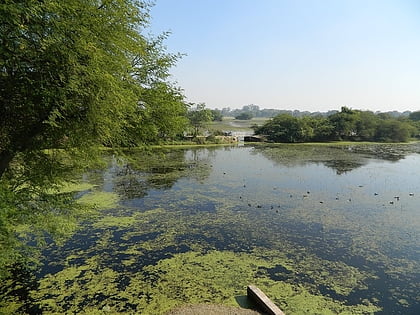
(263, 301)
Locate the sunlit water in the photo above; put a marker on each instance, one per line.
(320, 229)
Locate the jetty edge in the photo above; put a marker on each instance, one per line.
(263, 301)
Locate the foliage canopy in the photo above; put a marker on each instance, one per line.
(198, 116)
(244, 116)
(78, 72)
(348, 124)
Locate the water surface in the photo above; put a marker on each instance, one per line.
(320, 229)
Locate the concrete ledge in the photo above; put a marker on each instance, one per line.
(263, 301)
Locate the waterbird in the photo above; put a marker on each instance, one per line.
(411, 194)
(391, 202)
(375, 194)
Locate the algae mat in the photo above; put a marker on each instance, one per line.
(318, 228)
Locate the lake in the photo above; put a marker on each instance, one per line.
(321, 229)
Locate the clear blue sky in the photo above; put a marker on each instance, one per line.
(311, 55)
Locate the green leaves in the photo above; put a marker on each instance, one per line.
(199, 116)
(77, 70)
(348, 124)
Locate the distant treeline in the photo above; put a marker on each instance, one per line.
(348, 124)
(255, 111)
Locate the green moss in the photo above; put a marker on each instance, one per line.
(75, 187)
(11, 305)
(189, 278)
(100, 200)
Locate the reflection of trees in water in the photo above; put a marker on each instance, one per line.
(156, 169)
(130, 175)
(34, 209)
(128, 184)
(341, 158)
(342, 167)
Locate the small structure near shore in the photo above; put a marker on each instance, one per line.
(262, 301)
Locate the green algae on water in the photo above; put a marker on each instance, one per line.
(189, 278)
(200, 233)
(100, 200)
(194, 276)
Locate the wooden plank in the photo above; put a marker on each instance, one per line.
(263, 301)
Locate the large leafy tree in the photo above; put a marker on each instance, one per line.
(161, 115)
(199, 116)
(345, 123)
(77, 72)
(286, 128)
(73, 74)
(216, 115)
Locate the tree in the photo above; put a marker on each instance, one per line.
(392, 130)
(198, 116)
(286, 128)
(161, 115)
(414, 119)
(244, 116)
(216, 115)
(366, 126)
(74, 74)
(344, 123)
(415, 116)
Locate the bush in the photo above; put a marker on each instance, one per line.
(244, 116)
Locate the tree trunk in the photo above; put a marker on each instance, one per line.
(5, 159)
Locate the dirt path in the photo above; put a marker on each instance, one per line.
(208, 309)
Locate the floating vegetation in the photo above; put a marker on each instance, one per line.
(72, 187)
(197, 226)
(192, 277)
(100, 199)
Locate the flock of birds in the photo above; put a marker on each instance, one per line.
(396, 198)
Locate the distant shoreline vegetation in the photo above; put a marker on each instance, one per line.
(346, 125)
(257, 112)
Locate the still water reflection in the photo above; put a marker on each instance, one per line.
(321, 229)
